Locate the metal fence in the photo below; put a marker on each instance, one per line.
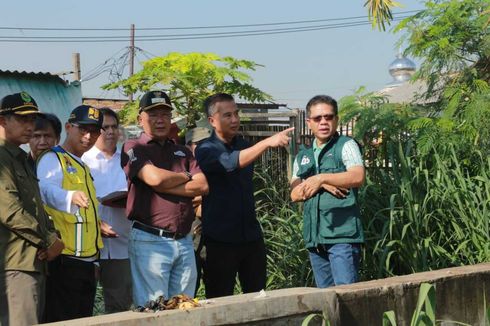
(278, 161)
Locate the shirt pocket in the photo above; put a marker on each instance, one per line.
(26, 184)
(328, 164)
(338, 223)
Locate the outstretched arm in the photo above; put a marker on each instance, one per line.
(249, 155)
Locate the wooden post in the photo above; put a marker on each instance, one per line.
(293, 119)
(76, 66)
(131, 58)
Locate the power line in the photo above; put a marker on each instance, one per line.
(170, 37)
(140, 37)
(109, 65)
(197, 27)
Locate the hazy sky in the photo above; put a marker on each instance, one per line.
(297, 65)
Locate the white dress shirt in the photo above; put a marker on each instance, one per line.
(108, 178)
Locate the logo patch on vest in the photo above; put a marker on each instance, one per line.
(69, 168)
(305, 160)
(179, 153)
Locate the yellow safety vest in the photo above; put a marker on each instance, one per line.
(80, 232)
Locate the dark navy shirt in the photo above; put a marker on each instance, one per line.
(228, 211)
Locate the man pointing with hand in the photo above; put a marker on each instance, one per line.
(231, 233)
(69, 195)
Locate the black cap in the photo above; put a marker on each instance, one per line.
(19, 103)
(86, 115)
(154, 99)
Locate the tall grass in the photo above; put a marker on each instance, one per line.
(419, 214)
(282, 222)
(431, 213)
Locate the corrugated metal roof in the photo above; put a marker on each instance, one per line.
(31, 73)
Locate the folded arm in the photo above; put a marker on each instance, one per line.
(196, 187)
(161, 179)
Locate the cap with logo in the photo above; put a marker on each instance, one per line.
(19, 103)
(197, 134)
(154, 99)
(86, 115)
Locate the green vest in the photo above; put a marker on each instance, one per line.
(326, 218)
(80, 232)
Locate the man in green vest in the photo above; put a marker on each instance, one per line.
(69, 195)
(326, 176)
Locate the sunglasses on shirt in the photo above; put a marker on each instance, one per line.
(318, 118)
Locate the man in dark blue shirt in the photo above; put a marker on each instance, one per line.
(232, 235)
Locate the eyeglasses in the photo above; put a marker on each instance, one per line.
(89, 129)
(318, 118)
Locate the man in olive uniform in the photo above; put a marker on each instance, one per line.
(27, 237)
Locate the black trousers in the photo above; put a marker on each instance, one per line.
(70, 289)
(224, 261)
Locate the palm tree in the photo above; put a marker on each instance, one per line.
(380, 12)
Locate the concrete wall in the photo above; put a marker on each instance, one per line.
(460, 297)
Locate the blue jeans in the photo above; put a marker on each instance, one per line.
(161, 266)
(335, 264)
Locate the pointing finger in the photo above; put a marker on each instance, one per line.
(285, 131)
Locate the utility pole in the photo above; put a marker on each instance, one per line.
(76, 66)
(131, 58)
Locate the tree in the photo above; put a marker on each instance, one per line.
(189, 79)
(379, 12)
(453, 40)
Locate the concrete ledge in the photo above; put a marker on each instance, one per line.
(460, 295)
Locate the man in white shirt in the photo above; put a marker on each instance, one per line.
(69, 195)
(104, 161)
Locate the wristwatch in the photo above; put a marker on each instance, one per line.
(189, 175)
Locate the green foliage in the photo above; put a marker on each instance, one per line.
(377, 122)
(431, 213)
(379, 12)
(452, 37)
(425, 311)
(282, 223)
(311, 317)
(99, 307)
(189, 79)
(453, 40)
(389, 318)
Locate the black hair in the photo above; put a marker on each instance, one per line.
(48, 119)
(110, 112)
(325, 99)
(210, 101)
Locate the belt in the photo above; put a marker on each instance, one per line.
(157, 231)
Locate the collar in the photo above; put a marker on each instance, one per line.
(215, 138)
(332, 139)
(317, 148)
(98, 153)
(15, 151)
(145, 139)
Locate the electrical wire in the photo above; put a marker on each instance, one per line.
(143, 38)
(140, 37)
(196, 27)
